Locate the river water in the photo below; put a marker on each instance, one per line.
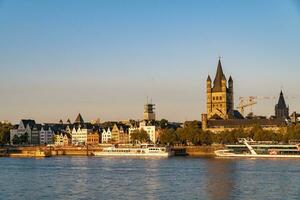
(133, 178)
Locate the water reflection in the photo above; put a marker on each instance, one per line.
(220, 178)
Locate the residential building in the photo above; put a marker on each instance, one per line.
(26, 127)
(150, 129)
(46, 135)
(295, 117)
(80, 132)
(93, 138)
(62, 140)
(119, 135)
(106, 135)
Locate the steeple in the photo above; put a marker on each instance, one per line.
(208, 79)
(218, 78)
(281, 102)
(79, 119)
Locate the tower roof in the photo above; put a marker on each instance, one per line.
(79, 119)
(218, 78)
(208, 78)
(281, 101)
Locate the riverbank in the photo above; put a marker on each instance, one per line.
(44, 151)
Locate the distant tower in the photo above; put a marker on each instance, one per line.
(281, 110)
(220, 102)
(79, 119)
(149, 113)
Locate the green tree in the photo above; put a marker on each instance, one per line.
(5, 133)
(168, 136)
(16, 140)
(139, 136)
(24, 138)
(163, 123)
(206, 137)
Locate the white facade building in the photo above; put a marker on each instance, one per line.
(106, 136)
(151, 130)
(79, 134)
(46, 135)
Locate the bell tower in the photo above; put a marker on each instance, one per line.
(219, 97)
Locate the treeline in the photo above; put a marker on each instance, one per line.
(4, 133)
(192, 134)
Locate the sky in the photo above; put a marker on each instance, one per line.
(103, 58)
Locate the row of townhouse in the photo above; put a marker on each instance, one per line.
(78, 133)
(121, 134)
(29, 132)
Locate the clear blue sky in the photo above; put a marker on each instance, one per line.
(103, 58)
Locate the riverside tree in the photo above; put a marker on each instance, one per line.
(5, 133)
(139, 136)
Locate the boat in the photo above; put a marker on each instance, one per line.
(251, 149)
(143, 151)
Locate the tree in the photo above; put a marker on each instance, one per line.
(168, 136)
(206, 137)
(16, 140)
(24, 138)
(163, 123)
(139, 136)
(5, 133)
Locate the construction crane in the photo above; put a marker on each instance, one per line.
(245, 102)
(250, 101)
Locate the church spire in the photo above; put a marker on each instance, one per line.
(281, 101)
(218, 78)
(79, 119)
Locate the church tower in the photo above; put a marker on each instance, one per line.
(220, 103)
(281, 110)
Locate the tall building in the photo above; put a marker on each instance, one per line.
(221, 115)
(281, 109)
(149, 114)
(220, 102)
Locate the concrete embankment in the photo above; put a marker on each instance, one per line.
(193, 151)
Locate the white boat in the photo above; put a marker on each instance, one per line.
(251, 149)
(147, 151)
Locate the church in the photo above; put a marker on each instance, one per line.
(220, 99)
(222, 116)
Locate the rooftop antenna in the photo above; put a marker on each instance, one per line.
(147, 99)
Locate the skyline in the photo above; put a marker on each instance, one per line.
(104, 58)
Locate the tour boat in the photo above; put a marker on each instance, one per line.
(252, 149)
(147, 151)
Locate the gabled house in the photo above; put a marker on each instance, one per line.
(106, 135)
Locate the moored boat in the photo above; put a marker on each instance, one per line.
(147, 151)
(252, 149)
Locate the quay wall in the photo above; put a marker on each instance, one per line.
(193, 151)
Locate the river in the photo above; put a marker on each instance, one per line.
(132, 178)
